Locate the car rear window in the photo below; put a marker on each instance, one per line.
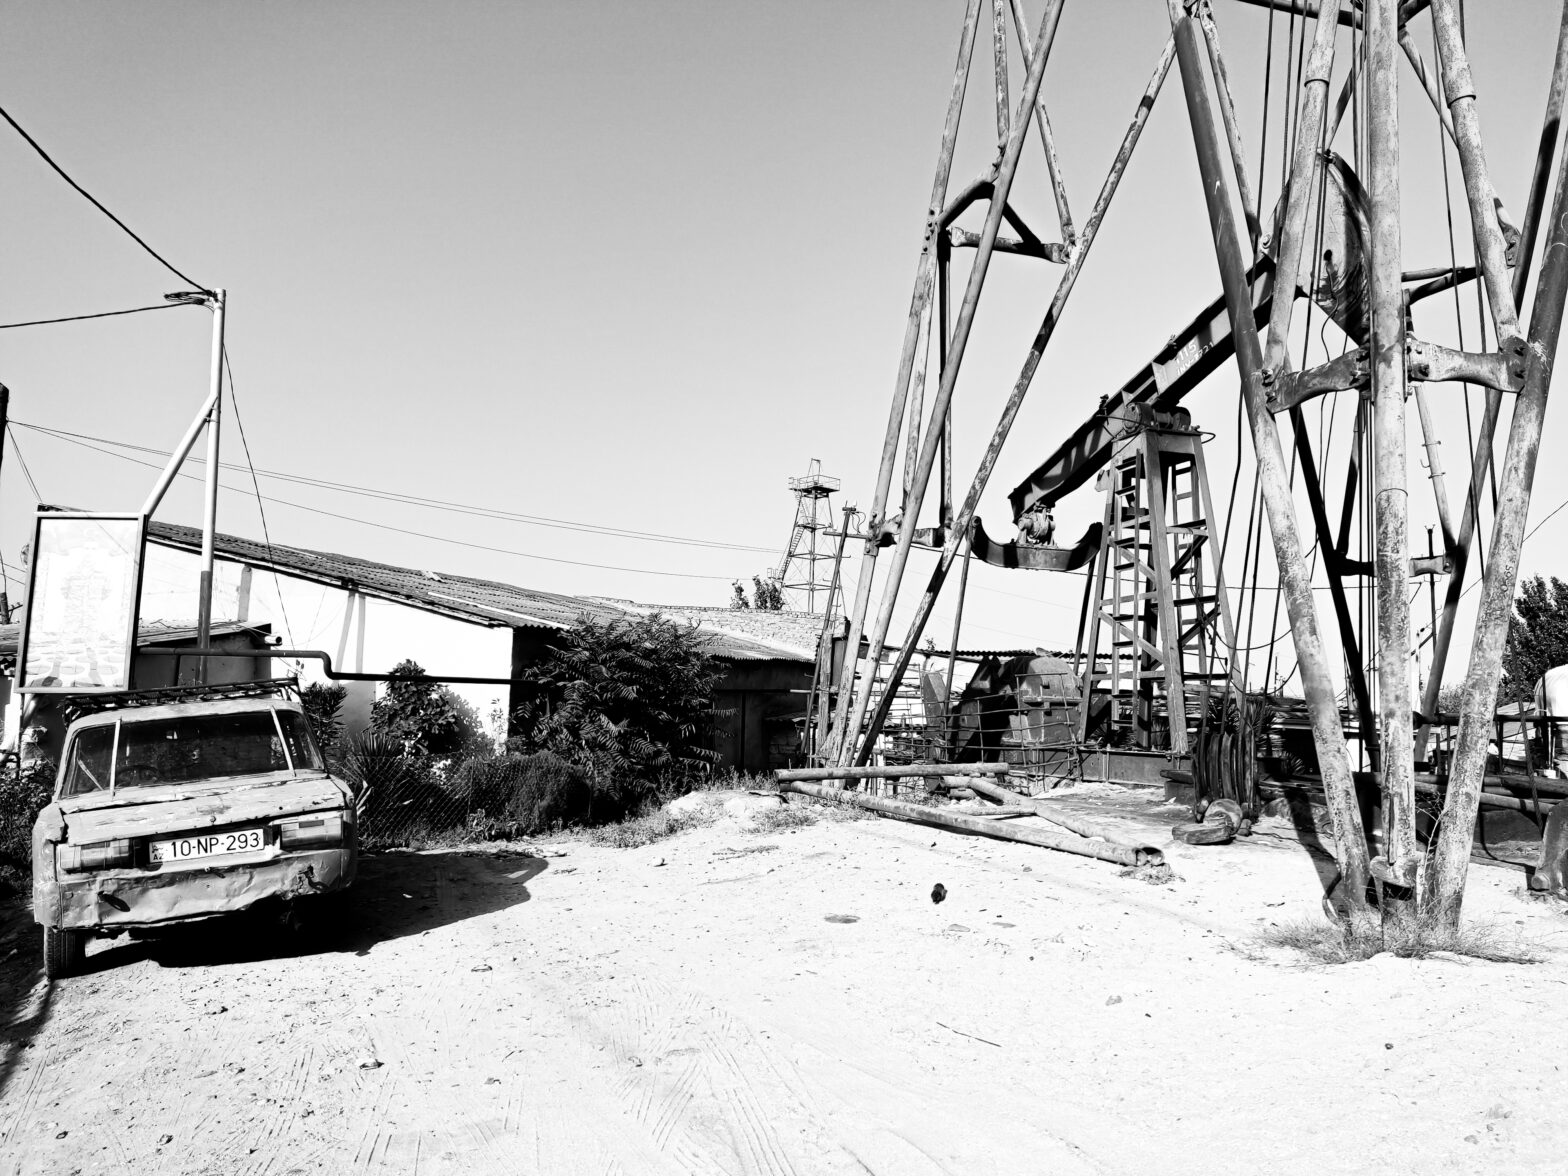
(189, 748)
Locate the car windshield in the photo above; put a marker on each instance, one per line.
(189, 748)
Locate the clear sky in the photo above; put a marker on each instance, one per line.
(625, 263)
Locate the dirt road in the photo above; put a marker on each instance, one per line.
(791, 1002)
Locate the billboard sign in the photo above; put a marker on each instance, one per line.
(83, 592)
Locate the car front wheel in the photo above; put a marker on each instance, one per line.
(64, 952)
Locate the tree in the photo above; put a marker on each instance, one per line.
(1537, 637)
(766, 595)
(323, 702)
(426, 719)
(630, 702)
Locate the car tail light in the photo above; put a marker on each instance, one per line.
(311, 832)
(99, 855)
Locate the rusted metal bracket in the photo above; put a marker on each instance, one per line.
(1046, 250)
(1286, 390)
(1503, 370)
(1350, 18)
(1400, 872)
(1431, 565)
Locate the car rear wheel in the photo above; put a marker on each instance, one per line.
(64, 952)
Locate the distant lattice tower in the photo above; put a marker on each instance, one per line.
(802, 572)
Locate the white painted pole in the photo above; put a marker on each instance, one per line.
(218, 303)
(188, 441)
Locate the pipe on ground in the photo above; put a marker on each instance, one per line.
(1084, 847)
(890, 772)
(1083, 826)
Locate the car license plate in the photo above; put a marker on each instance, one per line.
(181, 849)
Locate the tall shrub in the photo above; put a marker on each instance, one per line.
(629, 702)
(427, 719)
(1537, 636)
(323, 702)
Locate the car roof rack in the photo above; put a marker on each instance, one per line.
(82, 705)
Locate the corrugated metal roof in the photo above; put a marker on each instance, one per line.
(484, 602)
(785, 633)
(479, 601)
(150, 633)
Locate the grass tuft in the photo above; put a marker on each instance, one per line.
(785, 816)
(649, 827)
(1361, 938)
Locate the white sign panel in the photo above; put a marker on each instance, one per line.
(84, 582)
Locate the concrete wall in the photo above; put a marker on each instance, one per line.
(153, 672)
(369, 636)
(372, 636)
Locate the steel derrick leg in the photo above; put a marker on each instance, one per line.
(1042, 338)
(1295, 584)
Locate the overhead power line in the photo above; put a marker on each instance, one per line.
(261, 510)
(77, 318)
(401, 530)
(21, 461)
(419, 500)
(96, 203)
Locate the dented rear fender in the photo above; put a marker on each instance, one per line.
(119, 901)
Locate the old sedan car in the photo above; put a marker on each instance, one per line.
(182, 804)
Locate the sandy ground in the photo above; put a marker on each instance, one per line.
(792, 1002)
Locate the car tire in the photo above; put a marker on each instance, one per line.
(64, 952)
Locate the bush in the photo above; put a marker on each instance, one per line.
(323, 703)
(23, 791)
(395, 792)
(426, 719)
(518, 794)
(626, 702)
(1537, 637)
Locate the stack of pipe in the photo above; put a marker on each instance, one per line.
(1077, 836)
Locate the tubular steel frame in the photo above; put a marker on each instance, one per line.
(1255, 327)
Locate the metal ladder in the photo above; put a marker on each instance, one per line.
(1159, 626)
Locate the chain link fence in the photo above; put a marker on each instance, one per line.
(24, 789)
(411, 800)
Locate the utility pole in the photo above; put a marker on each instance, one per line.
(5, 425)
(209, 418)
(217, 302)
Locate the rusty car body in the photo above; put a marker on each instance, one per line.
(184, 804)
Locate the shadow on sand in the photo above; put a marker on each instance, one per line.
(396, 894)
(24, 995)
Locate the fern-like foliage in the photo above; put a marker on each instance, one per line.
(629, 702)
